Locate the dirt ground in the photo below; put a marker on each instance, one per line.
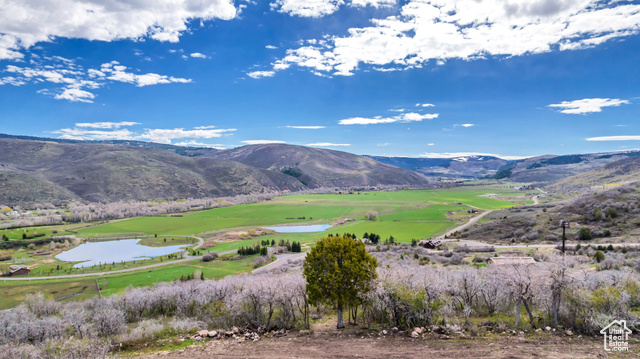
(326, 345)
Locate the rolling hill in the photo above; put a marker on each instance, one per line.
(550, 168)
(623, 171)
(316, 167)
(36, 170)
(104, 172)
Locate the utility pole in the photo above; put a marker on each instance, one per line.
(564, 224)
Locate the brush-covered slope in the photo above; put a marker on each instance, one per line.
(611, 216)
(101, 172)
(626, 170)
(320, 167)
(17, 187)
(551, 168)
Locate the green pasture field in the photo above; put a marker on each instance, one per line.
(211, 270)
(323, 208)
(303, 238)
(48, 231)
(13, 293)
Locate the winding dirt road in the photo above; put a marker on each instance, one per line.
(471, 222)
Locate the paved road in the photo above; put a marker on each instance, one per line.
(188, 258)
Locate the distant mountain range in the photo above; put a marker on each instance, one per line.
(44, 170)
(457, 167)
(548, 168)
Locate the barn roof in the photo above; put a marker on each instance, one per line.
(17, 267)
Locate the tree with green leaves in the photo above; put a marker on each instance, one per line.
(339, 271)
(584, 234)
(598, 256)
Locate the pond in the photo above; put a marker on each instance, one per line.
(92, 253)
(301, 229)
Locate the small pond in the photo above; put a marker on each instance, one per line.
(114, 251)
(301, 229)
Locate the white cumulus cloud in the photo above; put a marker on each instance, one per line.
(25, 23)
(194, 143)
(94, 134)
(405, 117)
(307, 127)
(614, 138)
(167, 135)
(106, 124)
(425, 31)
(112, 131)
(198, 55)
(307, 8)
(261, 74)
(115, 72)
(587, 105)
(74, 83)
(75, 95)
(319, 8)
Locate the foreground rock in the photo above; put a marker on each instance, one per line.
(344, 345)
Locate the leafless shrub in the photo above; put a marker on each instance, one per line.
(209, 256)
(70, 348)
(470, 249)
(107, 319)
(40, 306)
(144, 330)
(259, 261)
(184, 324)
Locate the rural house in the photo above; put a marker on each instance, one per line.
(431, 244)
(18, 269)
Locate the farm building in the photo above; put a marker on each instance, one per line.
(18, 269)
(511, 260)
(431, 244)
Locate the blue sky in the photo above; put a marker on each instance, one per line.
(383, 77)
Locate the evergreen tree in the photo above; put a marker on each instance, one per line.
(339, 271)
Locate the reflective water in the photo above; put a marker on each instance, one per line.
(301, 229)
(114, 251)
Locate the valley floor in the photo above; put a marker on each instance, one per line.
(333, 345)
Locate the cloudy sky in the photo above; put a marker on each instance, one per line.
(386, 77)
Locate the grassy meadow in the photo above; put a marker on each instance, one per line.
(12, 293)
(421, 213)
(405, 215)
